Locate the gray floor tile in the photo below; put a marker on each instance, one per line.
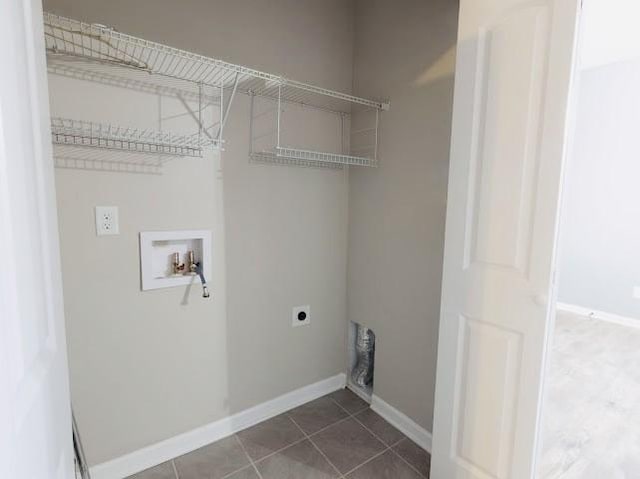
(246, 473)
(347, 444)
(414, 455)
(313, 416)
(381, 428)
(162, 471)
(270, 436)
(300, 461)
(349, 401)
(213, 461)
(385, 466)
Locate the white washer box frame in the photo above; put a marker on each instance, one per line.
(148, 260)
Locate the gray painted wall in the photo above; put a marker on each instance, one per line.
(145, 366)
(148, 366)
(404, 50)
(599, 265)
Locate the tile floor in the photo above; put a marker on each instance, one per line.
(336, 436)
(591, 415)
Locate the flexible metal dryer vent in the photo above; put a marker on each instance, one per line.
(362, 373)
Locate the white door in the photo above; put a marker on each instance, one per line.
(35, 420)
(515, 61)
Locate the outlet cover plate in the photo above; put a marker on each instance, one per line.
(107, 220)
(301, 315)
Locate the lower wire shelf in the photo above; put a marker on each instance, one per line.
(85, 134)
(270, 157)
(322, 157)
(311, 159)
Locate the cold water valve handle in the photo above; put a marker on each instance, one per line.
(199, 272)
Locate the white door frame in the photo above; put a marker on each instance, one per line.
(570, 143)
(35, 415)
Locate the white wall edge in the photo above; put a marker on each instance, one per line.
(403, 423)
(600, 315)
(160, 452)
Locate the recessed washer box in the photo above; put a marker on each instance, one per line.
(157, 249)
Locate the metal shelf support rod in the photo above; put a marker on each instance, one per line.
(279, 113)
(226, 111)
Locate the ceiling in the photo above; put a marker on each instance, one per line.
(610, 32)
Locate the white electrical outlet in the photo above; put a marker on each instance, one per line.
(107, 220)
(301, 315)
(636, 292)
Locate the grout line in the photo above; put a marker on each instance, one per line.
(304, 438)
(175, 469)
(309, 437)
(388, 446)
(399, 441)
(316, 446)
(340, 475)
(358, 411)
(392, 446)
(406, 462)
(248, 466)
(375, 435)
(248, 457)
(280, 450)
(324, 428)
(353, 416)
(347, 411)
(367, 461)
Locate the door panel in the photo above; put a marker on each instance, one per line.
(513, 77)
(507, 127)
(488, 356)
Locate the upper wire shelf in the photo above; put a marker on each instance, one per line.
(77, 48)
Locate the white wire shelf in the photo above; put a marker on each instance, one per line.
(310, 159)
(322, 157)
(77, 48)
(65, 160)
(98, 53)
(271, 158)
(266, 145)
(87, 134)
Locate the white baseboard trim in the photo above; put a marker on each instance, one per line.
(160, 452)
(600, 315)
(358, 391)
(405, 424)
